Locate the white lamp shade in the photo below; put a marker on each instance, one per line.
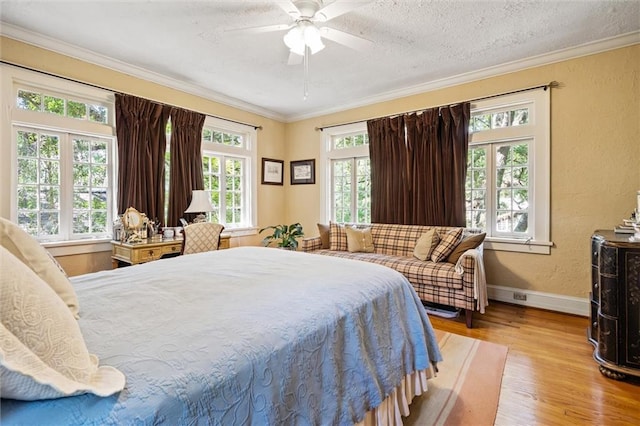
(200, 202)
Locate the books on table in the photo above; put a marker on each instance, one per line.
(624, 228)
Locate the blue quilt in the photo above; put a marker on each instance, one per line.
(244, 336)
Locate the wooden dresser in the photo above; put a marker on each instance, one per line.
(147, 250)
(615, 304)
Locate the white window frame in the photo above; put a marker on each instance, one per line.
(328, 154)
(66, 172)
(12, 79)
(249, 154)
(538, 131)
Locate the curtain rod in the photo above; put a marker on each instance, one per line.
(255, 127)
(542, 86)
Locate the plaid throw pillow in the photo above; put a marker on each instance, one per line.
(337, 237)
(448, 243)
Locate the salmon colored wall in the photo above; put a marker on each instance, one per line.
(595, 160)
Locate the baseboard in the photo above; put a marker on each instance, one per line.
(538, 299)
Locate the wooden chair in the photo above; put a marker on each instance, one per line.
(203, 236)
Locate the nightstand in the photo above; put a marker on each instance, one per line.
(147, 250)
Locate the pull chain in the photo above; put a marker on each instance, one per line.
(306, 72)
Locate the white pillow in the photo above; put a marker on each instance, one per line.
(42, 351)
(37, 258)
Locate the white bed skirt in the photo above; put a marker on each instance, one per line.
(396, 405)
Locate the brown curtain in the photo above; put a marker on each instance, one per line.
(422, 175)
(390, 191)
(428, 187)
(438, 140)
(186, 162)
(454, 143)
(140, 128)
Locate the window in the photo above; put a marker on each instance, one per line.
(349, 177)
(47, 187)
(44, 101)
(507, 186)
(228, 164)
(224, 176)
(62, 172)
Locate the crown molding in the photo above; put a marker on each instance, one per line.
(586, 49)
(48, 43)
(38, 40)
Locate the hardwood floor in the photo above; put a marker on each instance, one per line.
(550, 377)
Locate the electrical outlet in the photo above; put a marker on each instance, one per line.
(519, 296)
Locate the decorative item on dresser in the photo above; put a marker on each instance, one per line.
(615, 304)
(134, 226)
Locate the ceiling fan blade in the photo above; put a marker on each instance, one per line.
(346, 39)
(263, 29)
(289, 7)
(337, 8)
(294, 59)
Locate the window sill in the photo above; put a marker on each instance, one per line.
(69, 248)
(240, 232)
(518, 246)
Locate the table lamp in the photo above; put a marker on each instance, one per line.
(201, 204)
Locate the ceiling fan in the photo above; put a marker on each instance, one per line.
(304, 33)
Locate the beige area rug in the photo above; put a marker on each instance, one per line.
(467, 388)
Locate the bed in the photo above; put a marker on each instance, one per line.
(247, 336)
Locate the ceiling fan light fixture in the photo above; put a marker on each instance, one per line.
(294, 39)
(298, 50)
(312, 38)
(302, 35)
(316, 48)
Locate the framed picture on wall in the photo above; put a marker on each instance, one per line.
(272, 171)
(303, 172)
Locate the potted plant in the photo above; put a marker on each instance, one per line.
(284, 236)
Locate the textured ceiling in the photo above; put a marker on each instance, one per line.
(415, 42)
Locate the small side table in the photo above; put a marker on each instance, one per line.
(147, 250)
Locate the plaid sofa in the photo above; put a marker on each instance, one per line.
(393, 247)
